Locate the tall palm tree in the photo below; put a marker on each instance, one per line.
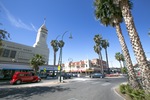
(105, 44)
(37, 61)
(54, 44)
(135, 42)
(61, 45)
(109, 14)
(118, 57)
(98, 48)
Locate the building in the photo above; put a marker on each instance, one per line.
(85, 66)
(15, 57)
(15, 52)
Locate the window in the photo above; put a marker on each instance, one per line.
(1, 50)
(6, 53)
(12, 54)
(21, 75)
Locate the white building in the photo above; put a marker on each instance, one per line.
(22, 53)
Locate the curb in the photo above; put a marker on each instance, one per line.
(114, 89)
(118, 93)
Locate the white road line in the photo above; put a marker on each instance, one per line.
(105, 84)
(72, 99)
(95, 82)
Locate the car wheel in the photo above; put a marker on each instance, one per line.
(101, 76)
(18, 81)
(39, 80)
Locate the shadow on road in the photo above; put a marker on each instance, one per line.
(28, 92)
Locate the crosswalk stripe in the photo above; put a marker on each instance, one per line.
(105, 84)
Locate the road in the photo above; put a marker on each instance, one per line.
(73, 89)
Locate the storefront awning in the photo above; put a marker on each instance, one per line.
(14, 67)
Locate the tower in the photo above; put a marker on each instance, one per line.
(41, 37)
(40, 45)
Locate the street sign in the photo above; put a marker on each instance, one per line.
(59, 67)
(44, 70)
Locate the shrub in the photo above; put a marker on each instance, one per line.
(122, 88)
(135, 94)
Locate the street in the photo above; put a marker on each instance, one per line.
(71, 89)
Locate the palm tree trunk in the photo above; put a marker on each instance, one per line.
(136, 44)
(54, 58)
(107, 59)
(132, 77)
(101, 63)
(120, 65)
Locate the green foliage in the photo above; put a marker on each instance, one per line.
(124, 70)
(122, 88)
(37, 61)
(135, 94)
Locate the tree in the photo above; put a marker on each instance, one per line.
(54, 44)
(105, 44)
(37, 61)
(4, 35)
(61, 45)
(135, 42)
(118, 57)
(109, 14)
(98, 48)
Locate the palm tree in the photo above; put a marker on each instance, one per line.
(54, 44)
(98, 48)
(118, 57)
(135, 42)
(4, 35)
(109, 14)
(105, 44)
(61, 45)
(37, 61)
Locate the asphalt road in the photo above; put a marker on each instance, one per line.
(73, 89)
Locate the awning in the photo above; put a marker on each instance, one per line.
(14, 67)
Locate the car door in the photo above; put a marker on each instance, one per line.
(29, 77)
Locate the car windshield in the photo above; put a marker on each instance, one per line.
(97, 74)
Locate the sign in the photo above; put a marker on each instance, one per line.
(59, 67)
(44, 70)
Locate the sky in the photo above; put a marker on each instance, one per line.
(22, 19)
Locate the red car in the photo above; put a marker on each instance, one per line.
(20, 77)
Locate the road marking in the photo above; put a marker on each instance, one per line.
(105, 84)
(95, 82)
(72, 99)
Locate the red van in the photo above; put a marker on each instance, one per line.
(20, 77)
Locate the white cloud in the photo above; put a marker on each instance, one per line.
(16, 21)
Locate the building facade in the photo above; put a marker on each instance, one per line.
(15, 52)
(85, 66)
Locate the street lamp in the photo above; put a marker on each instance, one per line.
(61, 44)
(70, 60)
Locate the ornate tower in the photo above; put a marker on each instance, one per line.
(40, 45)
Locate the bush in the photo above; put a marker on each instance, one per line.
(135, 94)
(122, 88)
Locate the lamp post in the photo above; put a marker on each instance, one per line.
(61, 44)
(70, 60)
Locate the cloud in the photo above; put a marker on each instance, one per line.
(16, 21)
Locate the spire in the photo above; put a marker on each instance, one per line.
(43, 26)
(44, 20)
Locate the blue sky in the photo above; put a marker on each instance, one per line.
(22, 18)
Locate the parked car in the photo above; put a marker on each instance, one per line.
(66, 75)
(20, 77)
(75, 75)
(45, 75)
(97, 75)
